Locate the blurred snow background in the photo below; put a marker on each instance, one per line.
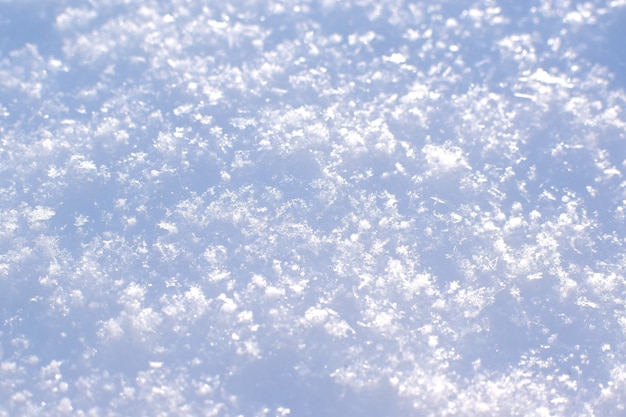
(312, 208)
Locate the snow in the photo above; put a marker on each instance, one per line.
(273, 208)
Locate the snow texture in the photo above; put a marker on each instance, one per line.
(312, 208)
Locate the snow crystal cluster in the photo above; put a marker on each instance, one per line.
(312, 208)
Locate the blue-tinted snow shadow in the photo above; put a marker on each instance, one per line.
(604, 44)
(276, 381)
(541, 333)
(290, 174)
(24, 22)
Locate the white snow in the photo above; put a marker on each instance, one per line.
(404, 208)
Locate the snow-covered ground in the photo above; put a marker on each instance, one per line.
(312, 208)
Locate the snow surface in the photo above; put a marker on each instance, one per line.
(312, 208)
